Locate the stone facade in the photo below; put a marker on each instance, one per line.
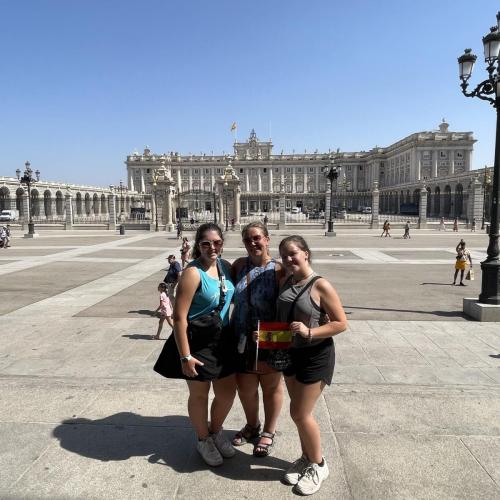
(441, 160)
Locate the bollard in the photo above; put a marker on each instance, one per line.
(122, 229)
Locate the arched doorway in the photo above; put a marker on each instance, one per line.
(437, 202)
(88, 206)
(459, 200)
(19, 201)
(35, 203)
(78, 203)
(47, 203)
(4, 199)
(428, 211)
(447, 201)
(95, 204)
(59, 203)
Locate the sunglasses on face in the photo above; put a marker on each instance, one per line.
(209, 243)
(252, 239)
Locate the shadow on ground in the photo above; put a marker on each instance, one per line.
(447, 314)
(166, 441)
(145, 312)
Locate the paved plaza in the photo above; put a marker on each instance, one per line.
(413, 411)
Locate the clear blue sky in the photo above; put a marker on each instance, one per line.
(84, 83)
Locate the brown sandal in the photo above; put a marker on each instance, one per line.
(264, 449)
(246, 435)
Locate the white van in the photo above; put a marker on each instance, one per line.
(367, 210)
(295, 210)
(9, 215)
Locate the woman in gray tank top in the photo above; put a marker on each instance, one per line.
(312, 307)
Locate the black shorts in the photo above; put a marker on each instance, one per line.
(313, 364)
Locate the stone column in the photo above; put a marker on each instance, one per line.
(169, 225)
(375, 205)
(271, 179)
(422, 208)
(26, 212)
(435, 164)
(327, 205)
(143, 186)
(68, 202)
(282, 223)
(237, 207)
(112, 211)
(476, 204)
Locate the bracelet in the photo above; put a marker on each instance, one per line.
(185, 359)
(309, 336)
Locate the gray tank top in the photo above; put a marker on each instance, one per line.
(306, 310)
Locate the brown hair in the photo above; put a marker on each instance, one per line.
(257, 225)
(298, 241)
(209, 226)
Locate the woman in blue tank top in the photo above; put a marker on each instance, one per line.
(198, 293)
(256, 277)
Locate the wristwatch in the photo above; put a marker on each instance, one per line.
(185, 359)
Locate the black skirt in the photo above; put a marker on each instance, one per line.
(216, 354)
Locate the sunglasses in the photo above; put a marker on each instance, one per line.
(209, 243)
(252, 239)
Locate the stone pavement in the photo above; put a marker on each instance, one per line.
(413, 411)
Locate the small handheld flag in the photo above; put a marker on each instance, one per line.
(233, 126)
(274, 335)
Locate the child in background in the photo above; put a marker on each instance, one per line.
(164, 310)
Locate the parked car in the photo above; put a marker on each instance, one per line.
(342, 214)
(295, 210)
(9, 215)
(367, 210)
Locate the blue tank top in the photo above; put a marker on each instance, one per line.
(263, 295)
(206, 298)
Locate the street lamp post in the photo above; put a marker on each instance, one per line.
(215, 203)
(331, 174)
(155, 186)
(226, 195)
(28, 180)
(488, 90)
(486, 186)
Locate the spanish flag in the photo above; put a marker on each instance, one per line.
(233, 126)
(274, 335)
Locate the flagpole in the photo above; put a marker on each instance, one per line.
(257, 348)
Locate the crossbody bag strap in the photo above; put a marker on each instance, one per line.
(306, 287)
(222, 288)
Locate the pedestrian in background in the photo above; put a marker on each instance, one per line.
(442, 226)
(455, 225)
(172, 276)
(164, 310)
(473, 226)
(185, 248)
(407, 230)
(461, 262)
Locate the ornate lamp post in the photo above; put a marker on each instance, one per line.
(488, 90)
(28, 180)
(215, 203)
(331, 174)
(486, 187)
(155, 187)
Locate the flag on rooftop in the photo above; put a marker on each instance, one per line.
(233, 126)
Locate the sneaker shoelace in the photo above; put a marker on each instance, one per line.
(311, 472)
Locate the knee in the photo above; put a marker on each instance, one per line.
(298, 415)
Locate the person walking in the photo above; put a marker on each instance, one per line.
(406, 234)
(185, 247)
(463, 255)
(312, 355)
(204, 343)
(442, 226)
(179, 229)
(172, 277)
(384, 228)
(473, 226)
(256, 278)
(3, 237)
(164, 310)
(455, 225)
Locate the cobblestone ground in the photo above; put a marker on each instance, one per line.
(413, 411)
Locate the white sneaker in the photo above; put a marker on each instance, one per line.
(209, 452)
(225, 448)
(292, 475)
(311, 479)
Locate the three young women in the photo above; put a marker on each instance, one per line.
(256, 279)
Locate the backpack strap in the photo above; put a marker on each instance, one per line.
(306, 287)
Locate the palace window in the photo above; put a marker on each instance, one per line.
(311, 169)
